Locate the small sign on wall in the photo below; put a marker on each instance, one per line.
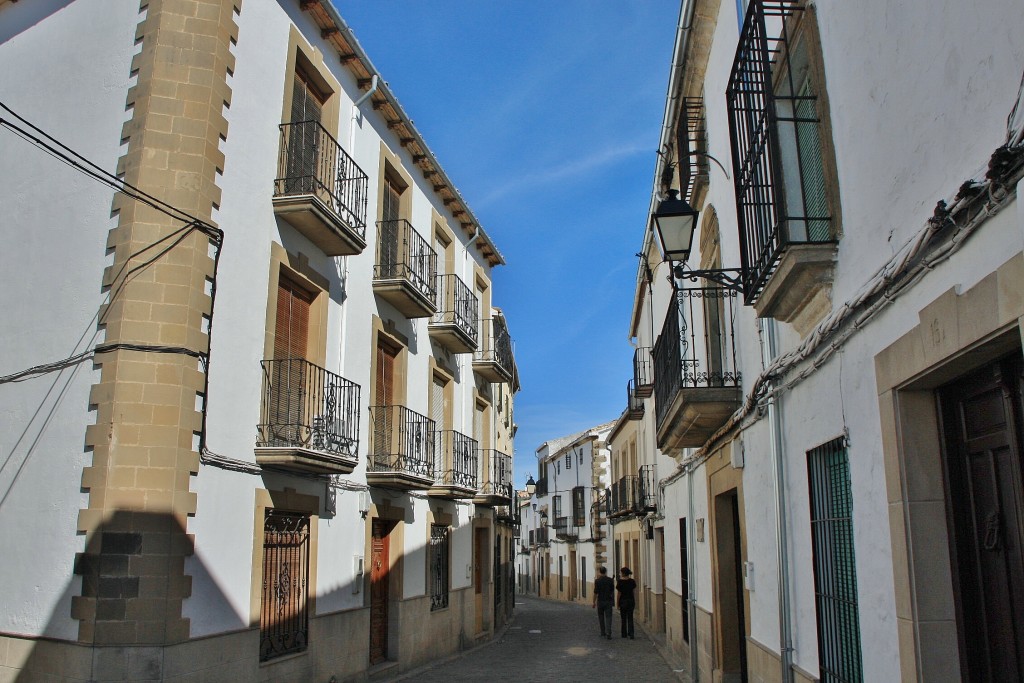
(700, 529)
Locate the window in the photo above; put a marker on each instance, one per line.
(583, 576)
(579, 514)
(557, 502)
(776, 116)
(284, 621)
(440, 566)
(684, 568)
(568, 461)
(835, 574)
(561, 573)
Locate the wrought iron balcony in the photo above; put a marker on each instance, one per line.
(320, 190)
(495, 478)
(697, 384)
(647, 489)
(309, 418)
(643, 372)
(402, 444)
(598, 515)
(456, 323)
(493, 360)
(457, 461)
(623, 497)
(542, 487)
(782, 208)
(564, 530)
(405, 274)
(634, 404)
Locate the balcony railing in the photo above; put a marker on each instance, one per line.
(623, 496)
(561, 526)
(643, 372)
(495, 477)
(767, 118)
(320, 189)
(542, 487)
(406, 270)
(493, 360)
(309, 417)
(634, 404)
(456, 322)
(402, 444)
(598, 514)
(697, 381)
(647, 488)
(457, 459)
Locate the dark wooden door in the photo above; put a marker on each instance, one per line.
(385, 413)
(981, 417)
(379, 591)
(305, 145)
(289, 385)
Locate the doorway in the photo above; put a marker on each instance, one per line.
(480, 564)
(981, 418)
(730, 603)
(380, 590)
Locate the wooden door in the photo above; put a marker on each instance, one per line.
(379, 590)
(982, 421)
(384, 414)
(480, 564)
(305, 143)
(389, 254)
(287, 413)
(573, 588)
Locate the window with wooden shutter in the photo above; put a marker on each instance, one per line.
(304, 142)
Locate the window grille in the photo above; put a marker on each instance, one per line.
(284, 621)
(777, 158)
(835, 575)
(557, 503)
(440, 540)
(568, 461)
(691, 145)
(579, 514)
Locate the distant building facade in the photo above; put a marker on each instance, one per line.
(563, 524)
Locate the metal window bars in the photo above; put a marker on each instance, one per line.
(643, 371)
(306, 406)
(835, 574)
(647, 489)
(440, 543)
(767, 125)
(691, 145)
(284, 619)
(496, 344)
(312, 162)
(496, 473)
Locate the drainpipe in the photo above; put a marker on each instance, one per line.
(368, 94)
(781, 536)
(691, 569)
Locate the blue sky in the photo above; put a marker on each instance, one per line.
(546, 115)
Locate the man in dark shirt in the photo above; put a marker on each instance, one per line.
(604, 601)
(627, 602)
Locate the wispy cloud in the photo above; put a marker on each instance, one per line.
(573, 168)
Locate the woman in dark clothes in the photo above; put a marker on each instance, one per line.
(626, 586)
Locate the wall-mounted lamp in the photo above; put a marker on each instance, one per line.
(531, 485)
(676, 222)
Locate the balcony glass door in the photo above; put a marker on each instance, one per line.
(304, 143)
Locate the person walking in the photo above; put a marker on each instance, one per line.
(626, 587)
(604, 601)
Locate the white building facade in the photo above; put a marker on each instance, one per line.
(564, 523)
(837, 357)
(279, 443)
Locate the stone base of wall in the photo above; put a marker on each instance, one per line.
(765, 665)
(338, 647)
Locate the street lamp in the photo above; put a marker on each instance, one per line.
(531, 485)
(675, 220)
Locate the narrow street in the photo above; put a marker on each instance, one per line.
(555, 641)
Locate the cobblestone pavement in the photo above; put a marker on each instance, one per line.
(555, 641)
